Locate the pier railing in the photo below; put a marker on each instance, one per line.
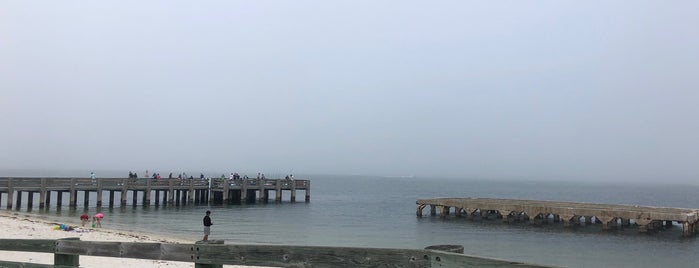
(219, 182)
(36, 183)
(67, 253)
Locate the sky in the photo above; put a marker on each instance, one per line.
(550, 90)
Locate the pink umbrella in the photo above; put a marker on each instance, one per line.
(99, 215)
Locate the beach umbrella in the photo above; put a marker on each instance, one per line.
(99, 215)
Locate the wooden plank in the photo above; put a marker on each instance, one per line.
(65, 260)
(28, 245)
(68, 260)
(152, 251)
(452, 260)
(201, 265)
(10, 264)
(309, 256)
(261, 255)
(89, 248)
(213, 255)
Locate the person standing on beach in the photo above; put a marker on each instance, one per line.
(84, 218)
(97, 220)
(207, 226)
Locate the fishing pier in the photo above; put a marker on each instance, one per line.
(145, 191)
(567, 213)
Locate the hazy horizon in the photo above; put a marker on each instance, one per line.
(600, 90)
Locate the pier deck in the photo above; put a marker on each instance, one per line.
(170, 191)
(647, 218)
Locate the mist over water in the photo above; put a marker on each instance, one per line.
(587, 101)
(380, 212)
(504, 90)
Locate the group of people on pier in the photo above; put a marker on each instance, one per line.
(260, 176)
(156, 175)
(234, 176)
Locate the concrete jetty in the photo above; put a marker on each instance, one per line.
(567, 213)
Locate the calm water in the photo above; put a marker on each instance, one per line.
(380, 212)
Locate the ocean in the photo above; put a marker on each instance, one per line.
(379, 212)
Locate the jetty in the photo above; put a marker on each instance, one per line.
(568, 213)
(144, 191)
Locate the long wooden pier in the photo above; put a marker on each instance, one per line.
(167, 191)
(567, 213)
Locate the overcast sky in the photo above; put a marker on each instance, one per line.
(555, 90)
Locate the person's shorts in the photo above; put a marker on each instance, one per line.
(207, 230)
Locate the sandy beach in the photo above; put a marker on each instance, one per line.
(17, 225)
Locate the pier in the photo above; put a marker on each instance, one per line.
(144, 191)
(567, 213)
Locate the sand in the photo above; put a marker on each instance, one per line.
(17, 225)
